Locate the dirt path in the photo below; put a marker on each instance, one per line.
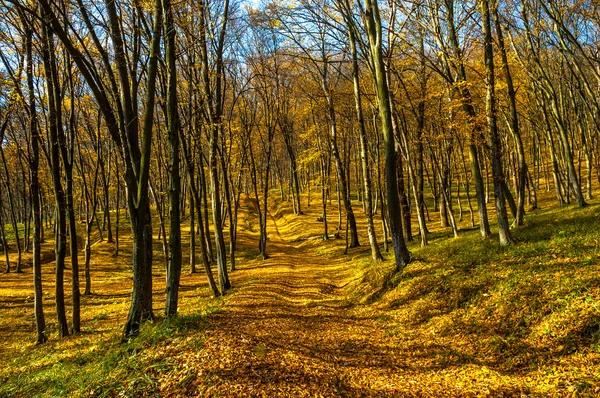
(288, 330)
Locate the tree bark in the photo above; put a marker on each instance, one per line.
(374, 32)
(174, 271)
(497, 172)
(364, 148)
(35, 185)
(54, 124)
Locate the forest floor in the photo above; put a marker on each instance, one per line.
(465, 318)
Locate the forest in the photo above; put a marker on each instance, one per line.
(329, 198)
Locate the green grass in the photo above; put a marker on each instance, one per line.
(527, 305)
(109, 367)
(10, 232)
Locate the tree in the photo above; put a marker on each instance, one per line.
(122, 123)
(213, 89)
(174, 271)
(372, 21)
(352, 29)
(497, 172)
(35, 187)
(513, 118)
(54, 125)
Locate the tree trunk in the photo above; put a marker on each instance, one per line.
(13, 215)
(87, 258)
(3, 238)
(174, 272)
(35, 186)
(107, 219)
(374, 32)
(513, 119)
(137, 189)
(341, 171)
(221, 254)
(497, 172)
(364, 151)
(54, 124)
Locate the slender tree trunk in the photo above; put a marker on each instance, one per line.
(55, 123)
(484, 226)
(341, 171)
(137, 192)
(3, 237)
(513, 119)
(364, 151)
(465, 95)
(118, 207)
(35, 185)
(73, 242)
(224, 283)
(228, 204)
(162, 228)
(192, 235)
(174, 272)
(13, 215)
(404, 206)
(444, 193)
(87, 258)
(324, 200)
(213, 90)
(374, 32)
(68, 160)
(204, 198)
(107, 219)
(497, 172)
(417, 194)
(197, 202)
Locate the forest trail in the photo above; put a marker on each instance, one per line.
(288, 329)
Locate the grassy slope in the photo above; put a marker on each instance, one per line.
(527, 314)
(465, 318)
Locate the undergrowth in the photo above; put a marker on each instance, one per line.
(531, 306)
(109, 367)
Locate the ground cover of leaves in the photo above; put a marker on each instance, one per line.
(466, 318)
